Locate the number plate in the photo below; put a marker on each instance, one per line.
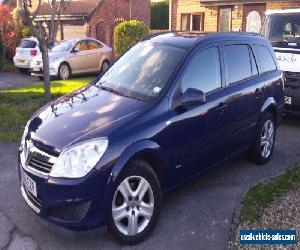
(36, 69)
(28, 183)
(288, 100)
(21, 61)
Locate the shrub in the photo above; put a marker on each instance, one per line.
(160, 15)
(127, 34)
(1, 54)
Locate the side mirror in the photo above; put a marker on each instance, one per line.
(192, 96)
(75, 50)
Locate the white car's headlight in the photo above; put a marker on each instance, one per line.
(24, 134)
(53, 59)
(78, 160)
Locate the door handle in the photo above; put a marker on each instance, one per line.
(258, 92)
(221, 108)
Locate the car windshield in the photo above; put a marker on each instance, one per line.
(143, 71)
(282, 27)
(64, 46)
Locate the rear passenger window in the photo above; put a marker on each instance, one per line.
(238, 62)
(264, 59)
(203, 71)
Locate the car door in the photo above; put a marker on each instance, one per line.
(94, 55)
(244, 93)
(78, 59)
(197, 131)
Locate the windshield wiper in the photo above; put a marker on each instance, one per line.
(114, 91)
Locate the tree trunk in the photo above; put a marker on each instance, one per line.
(45, 56)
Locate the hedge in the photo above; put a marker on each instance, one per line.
(160, 15)
(127, 34)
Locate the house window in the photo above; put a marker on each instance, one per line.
(225, 19)
(191, 22)
(185, 22)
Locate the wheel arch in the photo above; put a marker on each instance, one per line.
(270, 106)
(146, 150)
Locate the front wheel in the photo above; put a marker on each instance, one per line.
(105, 66)
(263, 148)
(64, 71)
(135, 204)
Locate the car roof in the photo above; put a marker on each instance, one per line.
(188, 40)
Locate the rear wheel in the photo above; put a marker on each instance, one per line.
(23, 71)
(105, 66)
(135, 204)
(263, 148)
(64, 71)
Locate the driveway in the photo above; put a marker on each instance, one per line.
(14, 79)
(196, 215)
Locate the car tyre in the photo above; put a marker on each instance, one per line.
(23, 71)
(135, 205)
(105, 66)
(261, 152)
(64, 71)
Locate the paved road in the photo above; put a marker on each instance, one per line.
(196, 215)
(13, 79)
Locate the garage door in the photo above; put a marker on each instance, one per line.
(72, 31)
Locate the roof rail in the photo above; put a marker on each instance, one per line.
(154, 35)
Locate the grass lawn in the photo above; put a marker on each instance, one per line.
(263, 194)
(18, 104)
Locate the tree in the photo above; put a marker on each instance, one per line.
(46, 39)
(1, 54)
(7, 31)
(127, 34)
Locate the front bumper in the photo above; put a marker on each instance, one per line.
(76, 204)
(292, 89)
(38, 71)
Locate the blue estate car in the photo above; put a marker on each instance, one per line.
(169, 109)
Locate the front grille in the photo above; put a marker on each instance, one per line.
(70, 212)
(292, 75)
(40, 165)
(36, 201)
(292, 86)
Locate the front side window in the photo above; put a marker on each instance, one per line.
(81, 46)
(282, 27)
(238, 62)
(143, 72)
(203, 71)
(264, 58)
(225, 19)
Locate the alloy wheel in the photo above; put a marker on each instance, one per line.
(267, 138)
(64, 72)
(133, 205)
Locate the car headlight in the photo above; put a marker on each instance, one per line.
(79, 159)
(53, 59)
(24, 134)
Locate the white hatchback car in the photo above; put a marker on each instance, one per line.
(76, 56)
(25, 52)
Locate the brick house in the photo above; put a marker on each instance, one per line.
(223, 15)
(94, 18)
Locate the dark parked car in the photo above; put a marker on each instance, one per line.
(172, 107)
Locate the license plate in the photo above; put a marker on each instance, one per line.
(288, 100)
(36, 69)
(21, 61)
(28, 183)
